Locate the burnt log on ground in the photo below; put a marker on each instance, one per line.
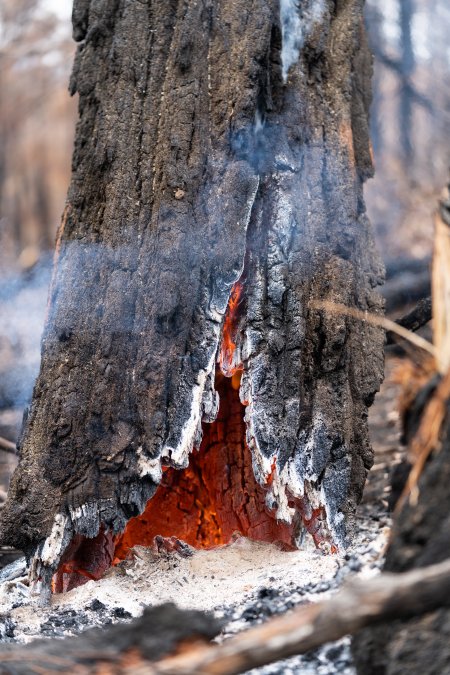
(216, 195)
(159, 632)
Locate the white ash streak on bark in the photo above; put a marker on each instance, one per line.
(291, 29)
(289, 482)
(297, 18)
(300, 477)
(52, 547)
(48, 555)
(178, 456)
(204, 401)
(297, 460)
(148, 467)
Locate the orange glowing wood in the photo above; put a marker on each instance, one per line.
(215, 497)
(84, 559)
(230, 330)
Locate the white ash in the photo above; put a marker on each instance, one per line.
(244, 582)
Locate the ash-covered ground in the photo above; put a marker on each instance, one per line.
(245, 582)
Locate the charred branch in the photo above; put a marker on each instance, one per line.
(160, 631)
(362, 603)
(413, 320)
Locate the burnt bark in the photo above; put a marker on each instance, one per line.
(198, 164)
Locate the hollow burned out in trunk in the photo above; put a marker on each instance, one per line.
(216, 196)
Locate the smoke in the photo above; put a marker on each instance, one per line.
(22, 307)
(291, 31)
(297, 21)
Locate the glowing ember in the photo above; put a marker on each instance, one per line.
(83, 560)
(229, 357)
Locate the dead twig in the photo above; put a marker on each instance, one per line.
(359, 604)
(7, 446)
(375, 320)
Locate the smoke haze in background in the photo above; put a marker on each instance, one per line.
(37, 121)
(23, 302)
(62, 8)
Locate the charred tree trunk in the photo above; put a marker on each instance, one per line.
(219, 161)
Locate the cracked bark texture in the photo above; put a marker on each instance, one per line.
(194, 159)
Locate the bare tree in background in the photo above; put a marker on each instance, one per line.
(35, 129)
(406, 8)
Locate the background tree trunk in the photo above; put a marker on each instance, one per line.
(196, 165)
(406, 10)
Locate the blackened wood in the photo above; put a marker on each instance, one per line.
(193, 157)
(146, 646)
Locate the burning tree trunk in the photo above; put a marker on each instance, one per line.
(216, 196)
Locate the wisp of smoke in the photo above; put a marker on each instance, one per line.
(22, 307)
(297, 19)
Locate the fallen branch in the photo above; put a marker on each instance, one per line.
(7, 446)
(361, 603)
